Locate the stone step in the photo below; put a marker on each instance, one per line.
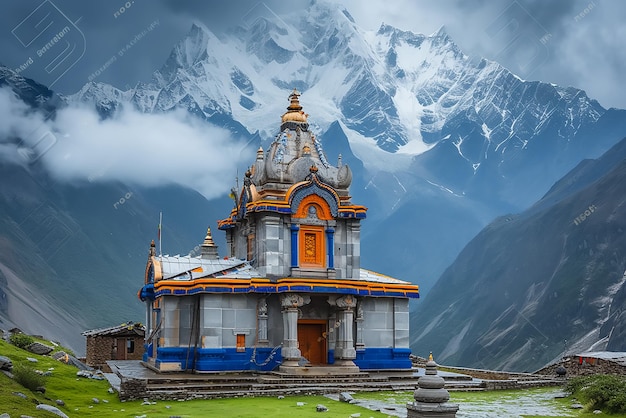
(207, 380)
(285, 385)
(321, 379)
(290, 390)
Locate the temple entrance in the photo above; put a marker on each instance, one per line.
(312, 340)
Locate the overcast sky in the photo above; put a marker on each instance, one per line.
(580, 43)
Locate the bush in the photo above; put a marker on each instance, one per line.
(605, 392)
(21, 340)
(28, 377)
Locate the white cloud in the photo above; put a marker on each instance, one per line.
(131, 147)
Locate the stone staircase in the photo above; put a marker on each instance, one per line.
(271, 384)
(137, 382)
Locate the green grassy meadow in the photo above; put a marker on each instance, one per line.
(78, 394)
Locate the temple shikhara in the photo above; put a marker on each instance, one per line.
(291, 292)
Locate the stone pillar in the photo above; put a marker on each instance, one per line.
(344, 345)
(262, 323)
(353, 267)
(431, 398)
(290, 303)
(360, 344)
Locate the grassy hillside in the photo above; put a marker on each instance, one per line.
(78, 394)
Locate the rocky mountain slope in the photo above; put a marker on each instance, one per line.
(534, 285)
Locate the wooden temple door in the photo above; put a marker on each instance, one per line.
(312, 340)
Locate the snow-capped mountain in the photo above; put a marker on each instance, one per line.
(431, 126)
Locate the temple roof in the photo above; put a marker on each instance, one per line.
(191, 275)
(292, 153)
(190, 268)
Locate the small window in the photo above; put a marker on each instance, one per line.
(130, 346)
(241, 343)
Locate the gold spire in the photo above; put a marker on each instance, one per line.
(430, 356)
(208, 248)
(208, 240)
(294, 110)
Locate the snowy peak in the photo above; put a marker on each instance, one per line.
(191, 51)
(393, 91)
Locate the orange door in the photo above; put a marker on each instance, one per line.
(312, 342)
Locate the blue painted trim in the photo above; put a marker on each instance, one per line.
(294, 244)
(330, 247)
(220, 359)
(379, 358)
(288, 288)
(147, 292)
(383, 358)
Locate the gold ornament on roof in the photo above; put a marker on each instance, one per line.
(294, 110)
(306, 149)
(208, 239)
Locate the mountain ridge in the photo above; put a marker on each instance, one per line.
(529, 304)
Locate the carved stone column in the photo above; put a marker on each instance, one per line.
(360, 344)
(262, 323)
(290, 302)
(344, 346)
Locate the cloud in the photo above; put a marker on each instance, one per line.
(131, 147)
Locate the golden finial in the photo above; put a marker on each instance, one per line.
(430, 356)
(293, 99)
(208, 239)
(259, 153)
(294, 110)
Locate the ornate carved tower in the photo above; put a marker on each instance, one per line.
(294, 217)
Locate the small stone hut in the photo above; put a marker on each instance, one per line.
(120, 342)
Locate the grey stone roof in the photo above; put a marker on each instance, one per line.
(128, 328)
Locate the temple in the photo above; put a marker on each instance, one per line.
(291, 292)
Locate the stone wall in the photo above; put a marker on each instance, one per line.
(132, 389)
(103, 348)
(99, 350)
(573, 368)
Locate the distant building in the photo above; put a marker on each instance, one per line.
(120, 342)
(292, 291)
